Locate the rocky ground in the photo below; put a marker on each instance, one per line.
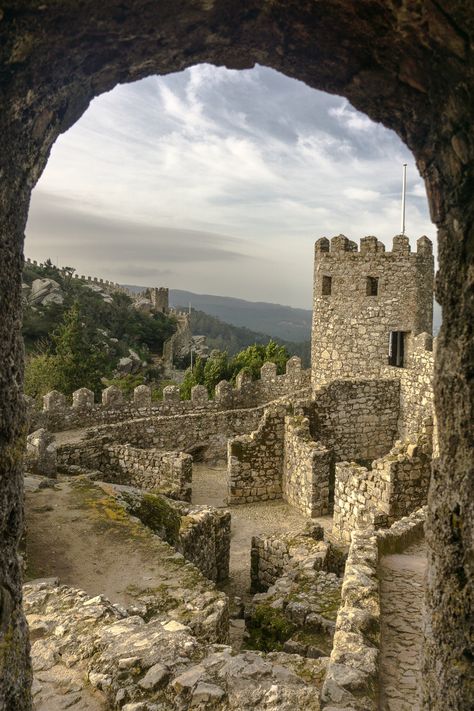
(90, 654)
(132, 625)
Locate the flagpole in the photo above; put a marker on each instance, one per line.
(404, 190)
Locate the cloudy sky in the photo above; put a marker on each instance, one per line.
(219, 182)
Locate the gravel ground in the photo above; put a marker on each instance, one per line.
(265, 518)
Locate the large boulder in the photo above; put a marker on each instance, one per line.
(41, 453)
(130, 364)
(45, 291)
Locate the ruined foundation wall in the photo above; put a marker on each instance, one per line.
(271, 556)
(200, 533)
(169, 473)
(395, 486)
(357, 419)
(255, 460)
(306, 469)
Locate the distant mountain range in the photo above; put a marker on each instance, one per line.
(281, 322)
(276, 320)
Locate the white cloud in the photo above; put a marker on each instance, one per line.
(361, 194)
(347, 116)
(250, 155)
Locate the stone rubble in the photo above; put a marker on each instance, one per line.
(123, 662)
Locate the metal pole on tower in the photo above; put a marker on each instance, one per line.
(404, 190)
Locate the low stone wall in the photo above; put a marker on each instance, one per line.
(352, 675)
(200, 533)
(396, 485)
(296, 612)
(169, 473)
(255, 461)
(154, 470)
(402, 533)
(306, 469)
(271, 556)
(58, 414)
(357, 419)
(351, 682)
(207, 431)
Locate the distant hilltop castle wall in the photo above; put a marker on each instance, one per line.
(157, 297)
(368, 305)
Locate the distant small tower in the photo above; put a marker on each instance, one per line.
(159, 297)
(368, 305)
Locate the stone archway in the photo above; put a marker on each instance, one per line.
(406, 64)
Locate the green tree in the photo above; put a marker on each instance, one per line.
(252, 358)
(80, 358)
(42, 375)
(193, 376)
(277, 354)
(215, 370)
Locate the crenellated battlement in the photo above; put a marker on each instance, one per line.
(59, 413)
(340, 244)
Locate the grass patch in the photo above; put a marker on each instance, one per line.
(268, 629)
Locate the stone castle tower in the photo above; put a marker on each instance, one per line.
(368, 305)
(159, 297)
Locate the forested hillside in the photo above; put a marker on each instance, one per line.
(76, 333)
(226, 337)
(276, 320)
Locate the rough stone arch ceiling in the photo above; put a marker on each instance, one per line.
(383, 56)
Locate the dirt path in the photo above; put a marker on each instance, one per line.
(260, 519)
(81, 538)
(402, 600)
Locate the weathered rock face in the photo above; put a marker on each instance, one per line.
(398, 62)
(86, 651)
(45, 291)
(41, 453)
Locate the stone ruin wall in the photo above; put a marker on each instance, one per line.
(306, 469)
(396, 485)
(57, 415)
(255, 460)
(356, 420)
(169, 473)
(350, 333)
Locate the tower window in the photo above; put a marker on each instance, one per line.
(396, 348)
(327, 286)
(372, 286)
